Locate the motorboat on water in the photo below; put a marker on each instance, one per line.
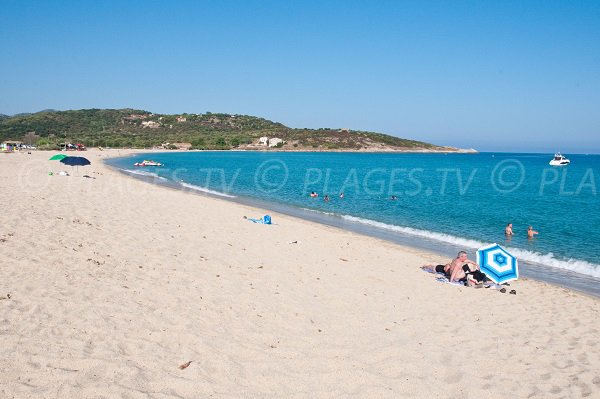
(148, 162)
(559, 160)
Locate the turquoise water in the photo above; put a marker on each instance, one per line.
(464, 200)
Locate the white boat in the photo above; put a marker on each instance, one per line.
(559, 160)
(147, 162)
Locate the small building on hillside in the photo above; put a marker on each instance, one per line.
(275, 141)
(263, 141)
(150, 124)
(181, 119)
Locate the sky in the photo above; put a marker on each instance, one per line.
(495, 76)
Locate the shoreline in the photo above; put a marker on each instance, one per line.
(563, 278)
(115, 287)
(306, 149)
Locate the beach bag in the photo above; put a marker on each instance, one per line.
(473, 277)
(267, 219)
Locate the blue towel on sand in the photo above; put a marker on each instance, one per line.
(442, 277)
(264, 220)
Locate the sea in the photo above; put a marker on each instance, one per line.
(433, 201)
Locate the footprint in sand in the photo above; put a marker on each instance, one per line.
(555, 390)
(452, 377)
(583, 359)
(585, 390)
(562, 365)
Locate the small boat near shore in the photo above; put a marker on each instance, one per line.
(559, 160)
(148, 162)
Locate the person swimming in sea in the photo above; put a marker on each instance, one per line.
(531, 232)
(508, 231)
(313, 194)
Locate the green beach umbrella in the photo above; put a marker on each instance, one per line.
(58, 157)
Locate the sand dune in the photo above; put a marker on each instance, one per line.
(114, 283)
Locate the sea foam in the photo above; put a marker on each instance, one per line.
(144, 173)
(206, 190)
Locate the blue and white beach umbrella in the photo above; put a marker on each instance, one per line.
(499, 265)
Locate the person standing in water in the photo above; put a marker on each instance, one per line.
(531, 232)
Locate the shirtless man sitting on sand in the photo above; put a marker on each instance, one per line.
(455, 271)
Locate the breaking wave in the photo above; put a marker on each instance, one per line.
(205, 190)
(144, 173)
(574, 265)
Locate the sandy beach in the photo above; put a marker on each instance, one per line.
(109, 286)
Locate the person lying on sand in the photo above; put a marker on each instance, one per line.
(437, 268)
(458, 269)
(454, 270)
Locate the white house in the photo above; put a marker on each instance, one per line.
(274, 141)
(263, 141)
(150, 124)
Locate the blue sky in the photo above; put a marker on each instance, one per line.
(506, 75)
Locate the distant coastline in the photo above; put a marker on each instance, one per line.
(365, 150)
(139, 129)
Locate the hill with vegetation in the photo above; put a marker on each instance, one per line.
(143, 129)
